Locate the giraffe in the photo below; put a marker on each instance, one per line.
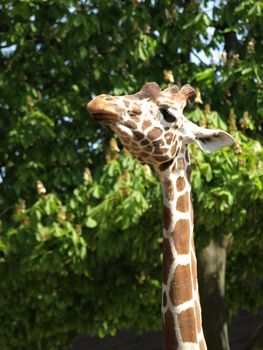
(152, 127)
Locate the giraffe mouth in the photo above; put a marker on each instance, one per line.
(104, 117)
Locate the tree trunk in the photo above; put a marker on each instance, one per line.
(211, 275)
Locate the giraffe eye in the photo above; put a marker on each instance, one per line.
(167, 115)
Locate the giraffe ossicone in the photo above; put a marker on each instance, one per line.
(152, 127)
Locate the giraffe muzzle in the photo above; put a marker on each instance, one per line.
(103, 109)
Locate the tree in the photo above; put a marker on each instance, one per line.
(73, 259)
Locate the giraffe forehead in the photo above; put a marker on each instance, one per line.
(144, 109)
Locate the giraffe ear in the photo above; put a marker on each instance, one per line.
(212, 140)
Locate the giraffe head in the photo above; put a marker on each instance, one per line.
(151, 124)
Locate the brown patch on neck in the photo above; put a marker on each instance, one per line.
(187, 324)
(167, 259)
(180, 164)
(169, 334)
(182, 203)
(169, 189)
(181, 285)
(165, 166)
(167, 217)
(180, 183)
(188, 173)
(181, 236)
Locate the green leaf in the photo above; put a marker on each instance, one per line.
(96, 191)
(90, 222)
(75, 88)
(207, 74)
(246, 71)
(141, 52)
(207, 171)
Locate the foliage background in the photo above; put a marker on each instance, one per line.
(80, 232)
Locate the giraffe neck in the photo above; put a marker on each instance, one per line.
(180, 305)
